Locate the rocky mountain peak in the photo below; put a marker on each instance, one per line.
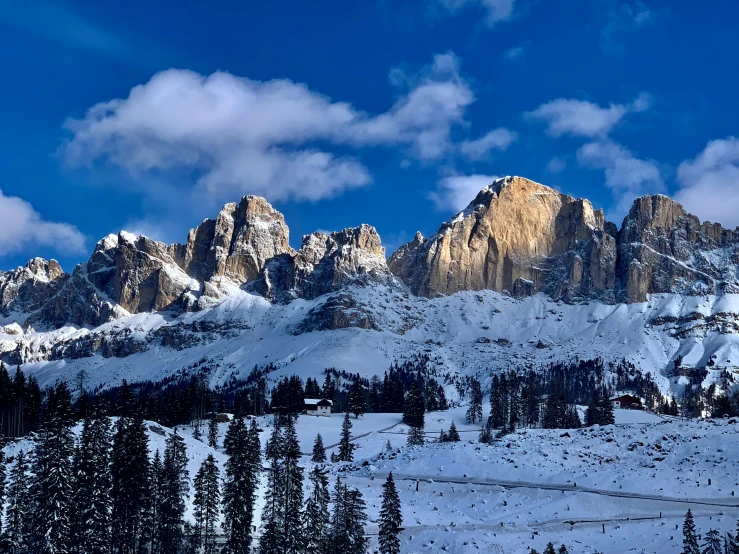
(26, 288)
(516, 235)
(325, 263)
(236, 244)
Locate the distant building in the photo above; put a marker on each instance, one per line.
(627, 402)
(317, 406)
(219, 417)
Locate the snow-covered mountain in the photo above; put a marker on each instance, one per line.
(523, 276)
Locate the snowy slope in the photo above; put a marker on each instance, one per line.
(616, 489)
(468, 333)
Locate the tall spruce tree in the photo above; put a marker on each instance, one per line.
(213, 432)
(317, 517)
(474, 412)
(18, 505)
(605, 409)
(390, 518)
(319, 451)
(592, 414)
(130, 475)
(293, 490)
(690, 535)
(207, 504)
(92, 488)
(53, 478)
(272, 540)
(174, 493)
(242, 470)
(712, 543)
(346, 446)
(346, 535)
(453, 435)
(414, 414)
(357, 399)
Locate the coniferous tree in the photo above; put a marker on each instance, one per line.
(293, 490)
(317, 516)
(413, 414)
(606, 409)
(346, 446)
(346, 535)
(390, 518)
(690, 536)
(712, 543)
(453, 435)
(213, 432)
(2, 486)
(550, 549)
(562, 549)
(53, 477)
(474, 412)
(92, 488)
(271, 540)
(18, 506)
(357, 400)
(592, 414)
(152, 512)
(242, 471)
(174, 492)
(514, 402)
(130, 475)
(319, 452)
(207, 504)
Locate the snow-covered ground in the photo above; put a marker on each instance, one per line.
(467, 333)
(616, 489)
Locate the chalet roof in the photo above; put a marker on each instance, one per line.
(317, 400)
(625, 397)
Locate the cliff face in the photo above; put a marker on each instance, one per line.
(522, 237)
(516, 236)
(664, 249)
(325, 263)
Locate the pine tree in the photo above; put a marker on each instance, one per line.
(242, 471)
(174, 493)
(690, 537)
(346, 446)
(317, 516)
(92, 488)
(207, 504)
(357, 401)
(592, 414)
(346, 535)
(18, 499)
(562, 549)
(413, 415)
(712, 543)
(550, 549)
(293, 490)
(606, 409)
(319, 452)
(130, 474)
(453, 435)
(152, 512)
(443, 437)
(272, 538)
(390, 518)
(53, 477)
(474, 412)
(213, 432)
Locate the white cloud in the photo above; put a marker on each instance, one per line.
(580, 118)
(626, 175)
(454, 193)
(269, 138)
(497, 139)
(556, 165)
(23, 227)
(495, 10)
(514, 53)
(624, 17)
(709, 183)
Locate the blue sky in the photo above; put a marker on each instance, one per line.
(149, 116)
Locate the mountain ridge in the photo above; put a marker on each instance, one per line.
(661, 289)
